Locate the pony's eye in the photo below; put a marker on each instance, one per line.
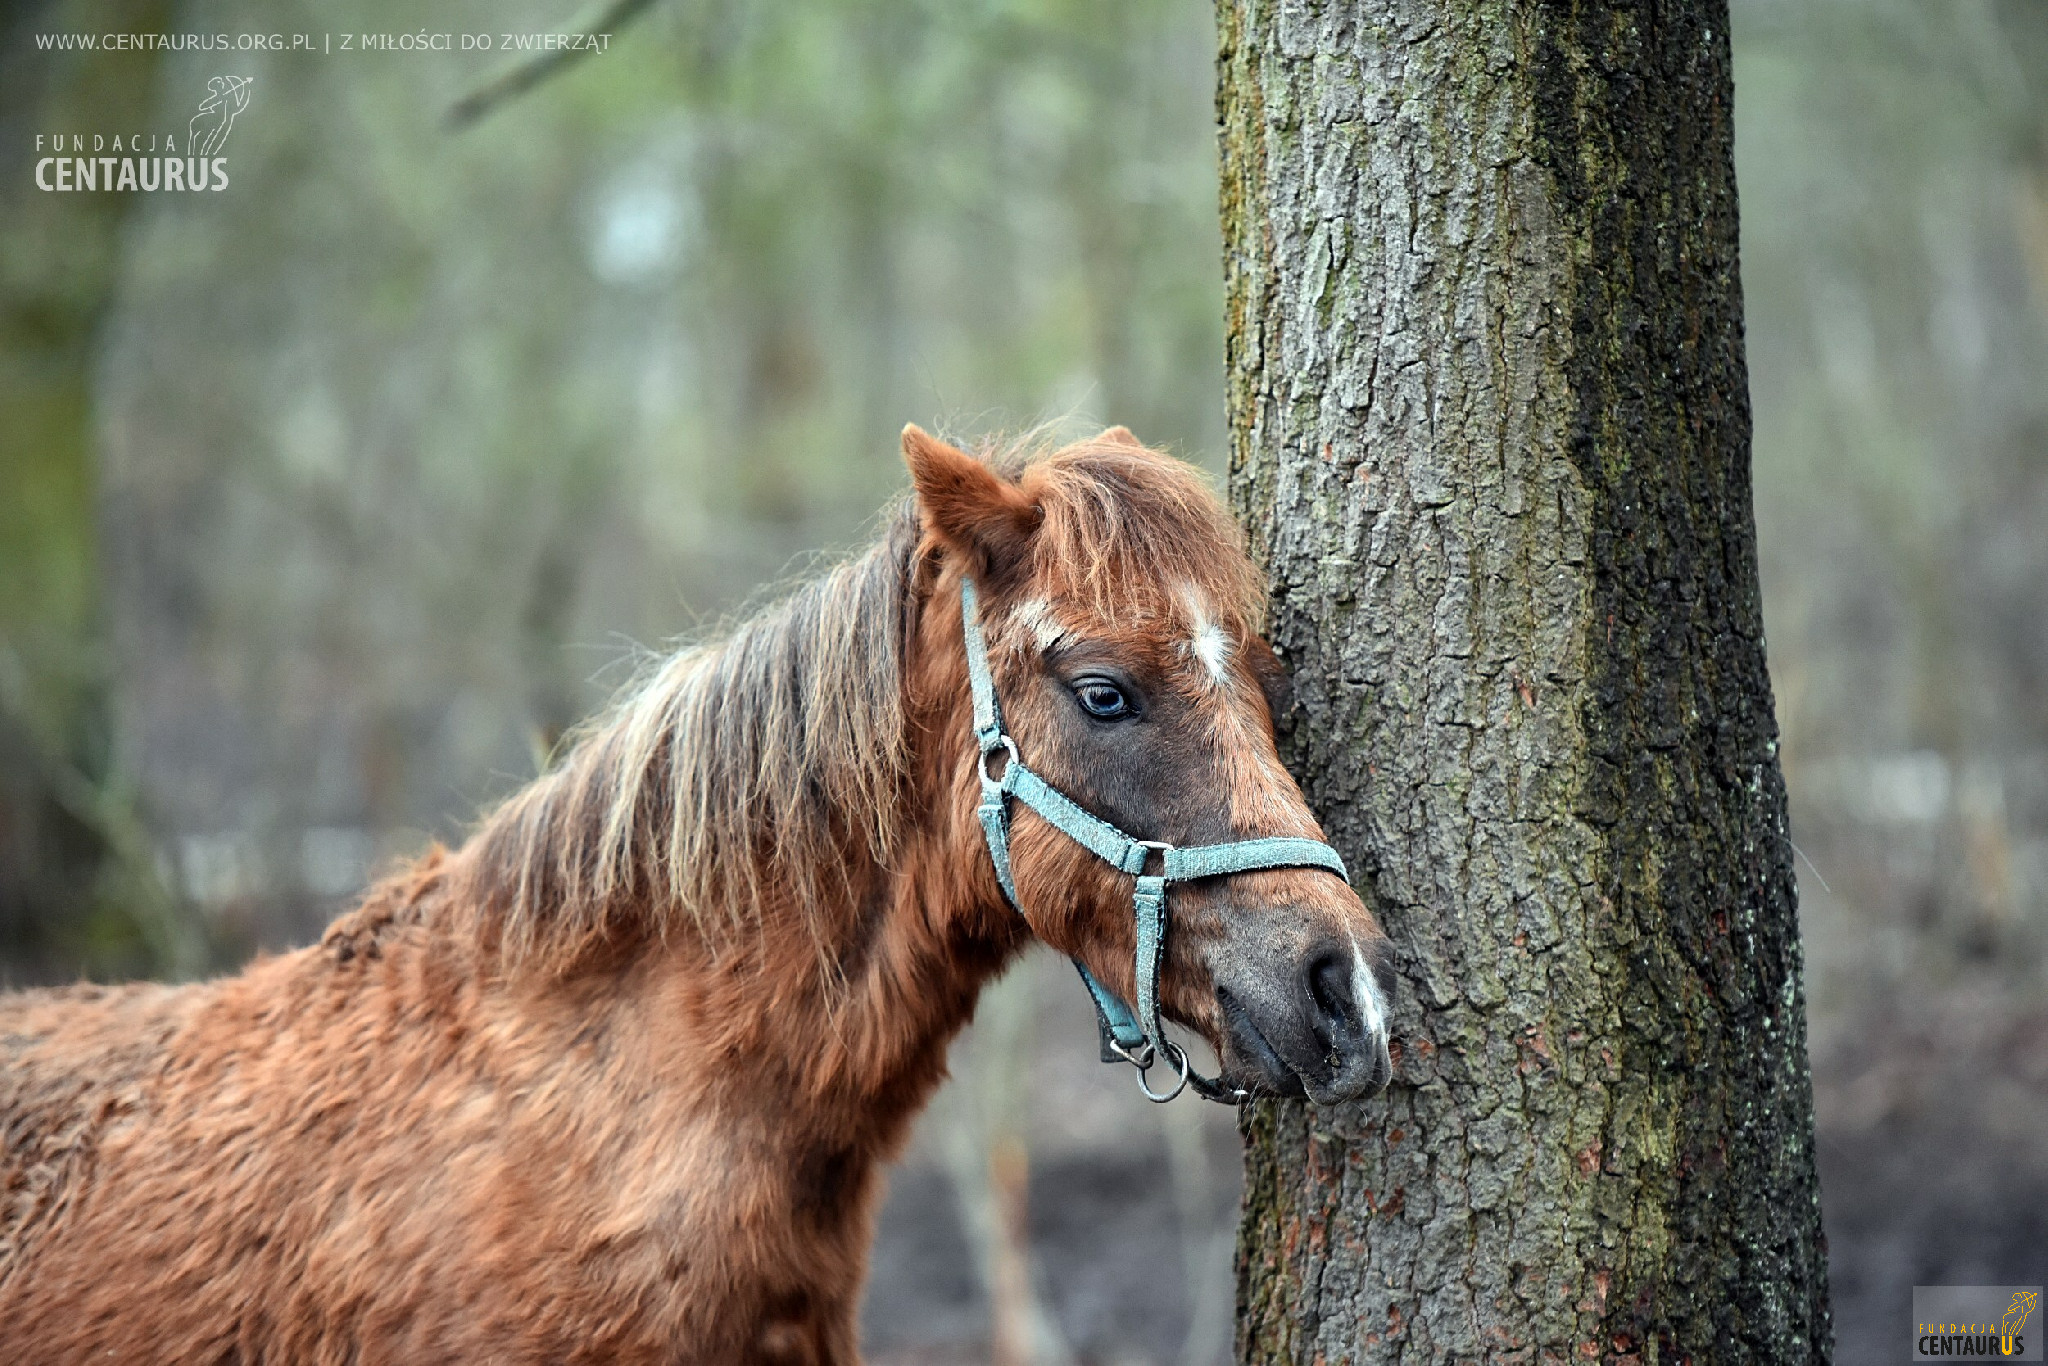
(1103, 701)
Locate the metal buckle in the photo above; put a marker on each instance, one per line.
(1162, 846)
(1005, 742)
(1139, 1057)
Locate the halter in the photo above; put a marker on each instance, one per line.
(1138, 1038)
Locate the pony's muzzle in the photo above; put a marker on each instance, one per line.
(1311, 1024)
(1348, 1016)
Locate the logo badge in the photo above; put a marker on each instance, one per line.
(1976, 1323)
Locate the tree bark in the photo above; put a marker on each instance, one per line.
(1490, 436)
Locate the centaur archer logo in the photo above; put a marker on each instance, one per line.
(1975, 1323)
(226, 96)
(137, 161)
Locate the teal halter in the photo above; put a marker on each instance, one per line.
(1136, 1038)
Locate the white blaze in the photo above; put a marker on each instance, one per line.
(1208, 643)
(1367, 990)
(1212, 647)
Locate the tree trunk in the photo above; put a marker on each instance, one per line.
(1490, 435)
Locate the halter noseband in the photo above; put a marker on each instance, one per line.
(1136, 1038)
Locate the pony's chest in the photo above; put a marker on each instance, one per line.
(751, 1248)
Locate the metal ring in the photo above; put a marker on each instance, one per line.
(1180, 1058)
(1006, 743)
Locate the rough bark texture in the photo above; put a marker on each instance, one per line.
(1491, 438)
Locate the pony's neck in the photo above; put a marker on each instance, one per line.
(852, 1012)
(839, 982)
(771, 844)
(844, 1014)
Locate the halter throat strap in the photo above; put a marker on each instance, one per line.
(1134, 1036)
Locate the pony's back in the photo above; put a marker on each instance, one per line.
(76, 1063)
(382, 1148)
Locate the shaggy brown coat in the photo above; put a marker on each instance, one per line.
(612, 1082)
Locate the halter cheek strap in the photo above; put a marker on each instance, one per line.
(1137, 1037)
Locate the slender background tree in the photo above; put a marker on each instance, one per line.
(1490, 433)
(79, 891)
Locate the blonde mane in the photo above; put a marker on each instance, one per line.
(768, 762)
(778, 747)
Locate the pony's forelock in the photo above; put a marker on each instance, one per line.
(1132, 533)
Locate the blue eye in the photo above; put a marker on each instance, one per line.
(1103, 701)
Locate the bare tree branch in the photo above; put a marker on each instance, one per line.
(478, 103)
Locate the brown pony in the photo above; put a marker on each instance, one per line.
(612, 1081)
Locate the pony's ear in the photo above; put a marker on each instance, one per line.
(968, 505)
(1119, 436)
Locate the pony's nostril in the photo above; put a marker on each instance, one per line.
(1330, 986)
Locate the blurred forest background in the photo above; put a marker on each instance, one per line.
(327, 501)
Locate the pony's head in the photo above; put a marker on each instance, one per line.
(1122, 617)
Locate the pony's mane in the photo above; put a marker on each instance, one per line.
(767, 762)
(778, 746)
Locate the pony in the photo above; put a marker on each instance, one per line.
(615, 1080)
